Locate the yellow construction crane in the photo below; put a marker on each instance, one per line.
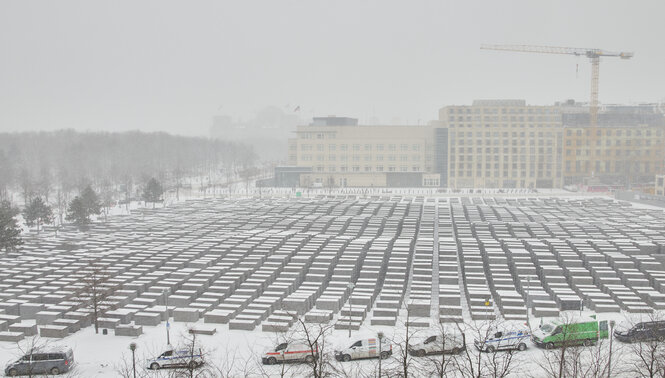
(593, 55)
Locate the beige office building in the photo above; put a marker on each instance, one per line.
(344, 154)
(503, 144)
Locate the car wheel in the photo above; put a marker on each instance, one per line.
(490, 349)
(309, 359)
(549, 345)
(456, 350)
(421, 353)
(384, 355)
(12, 372)
(192, 365)
(346, 358)
(587, 342)
(55, 371)
(521, 347)
(661, 338)
(154, 366)
(272, 361)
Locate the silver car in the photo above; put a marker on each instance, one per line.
(52, 361)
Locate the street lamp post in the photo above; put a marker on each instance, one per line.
(132, 347)
(528, 301)
(350, 286)
(380, 335)
(166, 308)
(609, 358)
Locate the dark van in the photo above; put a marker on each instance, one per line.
(644, 331)
(54, 362)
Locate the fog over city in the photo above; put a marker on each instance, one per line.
(169, 66)
(332, 189)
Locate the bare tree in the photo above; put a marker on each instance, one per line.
(477, 364)
(315, 335)
(444, 364)
(577, 358)
(649, 350)
(96, 289)
(402, 345)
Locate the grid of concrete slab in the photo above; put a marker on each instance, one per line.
(344, 260)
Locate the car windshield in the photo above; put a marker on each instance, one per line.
(547, 328)
(430, 339)
(280, 347)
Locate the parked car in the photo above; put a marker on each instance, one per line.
(176, 359)
(643, 331)
(504, 340)
(437, 344)
(556, 333)
(297, 351)
(52, 361)
(365, 348)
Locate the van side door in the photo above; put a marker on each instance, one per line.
(40, 363)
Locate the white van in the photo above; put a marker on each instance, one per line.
(365, 348)
(435, 344)
(504, 340)
(291, 352)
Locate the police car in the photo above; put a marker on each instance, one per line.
(503, 340)
(176, 359)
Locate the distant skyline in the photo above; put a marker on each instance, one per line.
(171, 66)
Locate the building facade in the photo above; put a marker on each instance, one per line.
(488, 144)
(616, 155)
(345, 154)
(503, 144)
(626, 148)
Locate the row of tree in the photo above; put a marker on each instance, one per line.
(55, 164)
(37, 212)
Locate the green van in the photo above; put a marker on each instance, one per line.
(558, 333)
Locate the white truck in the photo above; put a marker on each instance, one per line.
(295, 351)
(365, 348)
(176, 359)
(438, 344)
(504, 340)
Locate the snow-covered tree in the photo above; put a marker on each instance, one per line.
(153, 191)
(10, 232)
(37, 213)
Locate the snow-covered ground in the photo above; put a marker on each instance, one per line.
(239, 352)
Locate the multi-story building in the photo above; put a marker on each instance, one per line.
(615, 155)
(342, 153)
(626, 148)
(503, 144)
(488, 144)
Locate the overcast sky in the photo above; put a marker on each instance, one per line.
(172, 65)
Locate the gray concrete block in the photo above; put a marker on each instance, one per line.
(128, 330)
(24, 328)
(11, 336)
(218, 316)
(108, 323)
(189, 315)
(147, 318)
(47, 317)
(54, 331)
